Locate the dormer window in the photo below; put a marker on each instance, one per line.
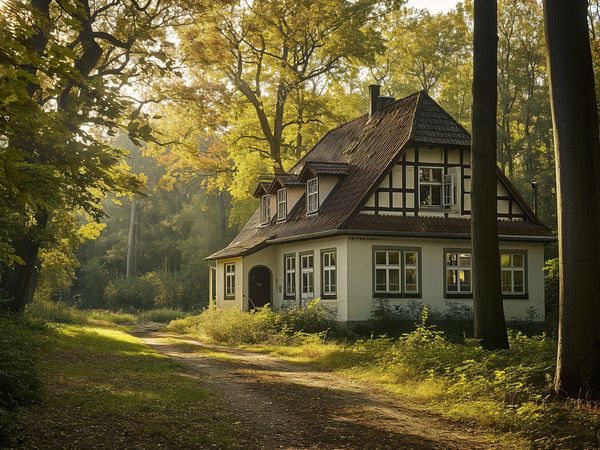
(265, 215)
(281, 204)
(312, 196)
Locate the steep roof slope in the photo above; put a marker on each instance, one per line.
(367, 148)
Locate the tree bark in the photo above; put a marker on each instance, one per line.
(577, 153)
(488, 308)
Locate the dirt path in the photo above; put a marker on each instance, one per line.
(276, 404)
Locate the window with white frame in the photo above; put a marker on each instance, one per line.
(281, 204)
(436, 189)
(458, 272)
(513, 272)
(289, 264)
(265, 209)
(396, 272)
(307, 277)
(329, 276)
(431, 186)
(312, 195)
(230, 280)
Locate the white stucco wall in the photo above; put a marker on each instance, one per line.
(360, 275)
(355, 300)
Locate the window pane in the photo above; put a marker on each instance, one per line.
(332, 259)
(380, 280)
(394, 258)
(394, 275)
(465, 280)
(505, 260)
(436, 195)
(410, 258)
(424, 174)
(425, 195)
(451, 279)
(436, 175)
(452, 259)
(519, 281)
(465, 260)
(506, 281)
(333, 280)
(380, 258)
(518, 260)
(411, 280)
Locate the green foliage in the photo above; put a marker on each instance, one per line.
(131, 294)
(60, 313)
(162, 315)
(261, 325)
(20, 341)
(552, 291)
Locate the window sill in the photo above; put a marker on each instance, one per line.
(229, 298)
(464, 296)
(329, 297)
(395, 295)
(287, 297)
(504, 296)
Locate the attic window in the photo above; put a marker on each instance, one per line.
(312, 196)
(264, 209)
(436, 189)
(281, 204)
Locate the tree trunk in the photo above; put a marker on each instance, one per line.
(490, 326)
(20, 280)
(130, 271)
(577, 153)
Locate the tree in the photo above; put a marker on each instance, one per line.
(577, 153)
(66, 68)
(488, 308)
(273, 54)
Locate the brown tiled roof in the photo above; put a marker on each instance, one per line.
(325, 168)
(367, 148)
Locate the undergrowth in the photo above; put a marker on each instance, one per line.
(507, 390)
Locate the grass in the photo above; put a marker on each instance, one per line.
(507, 391)
(102, 385)
(61, 313)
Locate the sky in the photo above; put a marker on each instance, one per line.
(434, 6)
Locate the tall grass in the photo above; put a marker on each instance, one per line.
(61, 313)
(161, 315)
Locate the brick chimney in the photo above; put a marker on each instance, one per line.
(374, 90)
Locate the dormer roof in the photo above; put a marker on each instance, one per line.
(366, 150)
(315, 168)
(262, 189)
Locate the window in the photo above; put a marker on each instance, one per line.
(281, 204)
(458, 272)
(264, 209)
(289, 281)
(513, 272)
(396, 272)
(312, 196)
(307, 278)
(229, 281)
(329, 275)
(431, 186)
(436, 189)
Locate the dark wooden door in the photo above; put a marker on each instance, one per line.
(259, 291)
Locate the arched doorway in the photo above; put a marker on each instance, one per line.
(259, 287)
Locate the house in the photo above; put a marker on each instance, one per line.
(379, 211)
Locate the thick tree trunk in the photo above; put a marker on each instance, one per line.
(130, 271)
(490, 326)
(19, 281)
(577, 152)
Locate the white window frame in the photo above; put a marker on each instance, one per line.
(458, 268)
(312, 195)
(387, 267)
(329, 273)
(229, 271)
(446, 186)
(265, 213)
(511, 269)
(289, 268)
(281, 204)
(307, 278)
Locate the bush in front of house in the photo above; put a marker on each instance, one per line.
(261, 325)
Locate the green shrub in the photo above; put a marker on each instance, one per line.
(55, 312)
(162, 315)
(261, 325)
(91, 280)
(131, 294)
(20, 340)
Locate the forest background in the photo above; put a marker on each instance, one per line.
(241, 90)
